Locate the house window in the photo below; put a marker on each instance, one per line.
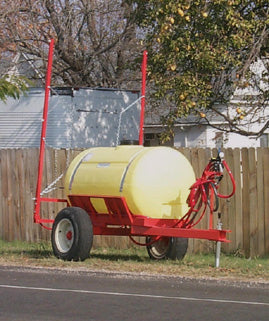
(264, 140)
(153, 139)
(219, 139)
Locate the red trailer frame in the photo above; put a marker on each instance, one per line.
(118, 220)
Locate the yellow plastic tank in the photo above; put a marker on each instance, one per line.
(155, 181)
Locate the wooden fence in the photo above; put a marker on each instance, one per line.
(246, 214)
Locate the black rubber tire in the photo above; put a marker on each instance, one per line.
(173, 248)
(72, 234)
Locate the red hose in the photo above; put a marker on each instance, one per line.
(204, 193)
(232, 180)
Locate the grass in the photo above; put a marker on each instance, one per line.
(136, 260)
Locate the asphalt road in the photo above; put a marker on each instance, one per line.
(47, 294)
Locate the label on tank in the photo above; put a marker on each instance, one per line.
(87, 157)
(102, 165)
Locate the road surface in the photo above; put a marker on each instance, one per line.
(49, 294)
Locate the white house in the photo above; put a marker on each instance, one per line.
(195, 132)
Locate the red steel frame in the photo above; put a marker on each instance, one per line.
(38, 198)
(117, 220)
(143, 97)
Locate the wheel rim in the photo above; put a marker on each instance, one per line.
(64, 235)
(160, 248)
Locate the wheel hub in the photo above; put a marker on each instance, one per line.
(64, 235)
(69, 235)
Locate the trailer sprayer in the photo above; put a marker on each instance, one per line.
(132, 190)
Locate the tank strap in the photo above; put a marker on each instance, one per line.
(127, 168)
(83, 159)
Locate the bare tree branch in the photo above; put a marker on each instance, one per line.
(90, 36)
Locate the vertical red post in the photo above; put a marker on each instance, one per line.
(143, 99)
(43, 133)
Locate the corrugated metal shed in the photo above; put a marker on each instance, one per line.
(77, 118)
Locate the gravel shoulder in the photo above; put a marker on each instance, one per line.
(231, 281)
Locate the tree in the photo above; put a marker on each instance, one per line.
(202, 54)
(95, 40)
(12, 86)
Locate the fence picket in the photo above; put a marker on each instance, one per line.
(253, 215)
(230, 203)
(266, 198)
(245, 202)
(4, 192)
(236, 170)
(260, 202)
(1, 195)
